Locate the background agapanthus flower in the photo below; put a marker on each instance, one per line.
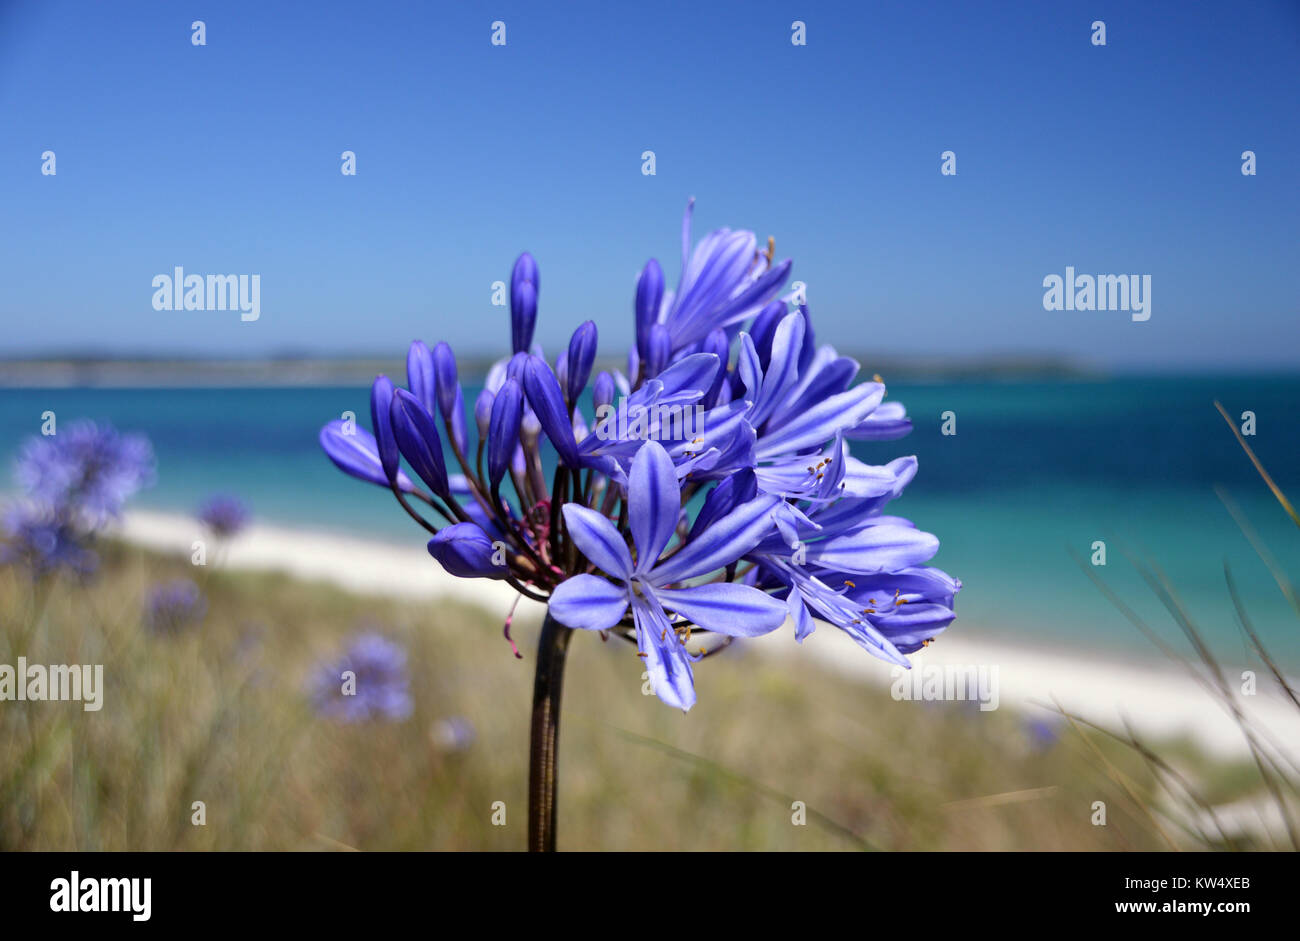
(224, 515)
(379, 687)
(36, 540)
(72, 483)
(174, 607)
(85, 468)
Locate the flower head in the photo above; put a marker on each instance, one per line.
(174, 607)
(369, 681)
(666, 537)
(86, 470)
(224, 515)
(39, 542)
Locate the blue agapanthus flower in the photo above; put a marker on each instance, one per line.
(708, 490)
(369, 681)
(38, 541)
(86, 469)
(72, 483)
(174, 607)
(224, 515)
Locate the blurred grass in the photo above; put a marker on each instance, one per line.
(219, 716)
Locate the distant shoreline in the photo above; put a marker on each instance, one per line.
(172, 372)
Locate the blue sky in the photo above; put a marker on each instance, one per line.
(225, 158)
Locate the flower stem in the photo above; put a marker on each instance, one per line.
(548, 683)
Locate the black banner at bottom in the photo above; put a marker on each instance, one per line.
(237, 890)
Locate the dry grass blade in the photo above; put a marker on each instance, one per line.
(1153, 760)
(1277, 492)
(1261, 550)
(1267, 763)
(1134, 619)
(1118, 777)
(1258, 644)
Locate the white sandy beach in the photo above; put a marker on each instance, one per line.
(1157, 700)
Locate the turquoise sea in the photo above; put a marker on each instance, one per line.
(1034, 469)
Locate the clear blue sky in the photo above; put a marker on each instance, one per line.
(226, 159)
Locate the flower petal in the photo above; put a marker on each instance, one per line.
(694, 373)
(654, 503)
(803, 622)
(721, 544)
(355, 452)
(381, 399)
(909, 626)
(820, 422)
(588, 603)
(886, 423)
(665, 657)
(598, 539)
(740, 487)
(735, 610)
(874, 549)
(782, 371)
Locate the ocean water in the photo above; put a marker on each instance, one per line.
(1033, 470)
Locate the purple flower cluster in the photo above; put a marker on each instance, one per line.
(87, 469)
(73, 483)
(41, 543)
(224, 515)
(369, 681)
(174, 607)
(730, 503)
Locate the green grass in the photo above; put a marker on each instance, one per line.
(219, 716)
